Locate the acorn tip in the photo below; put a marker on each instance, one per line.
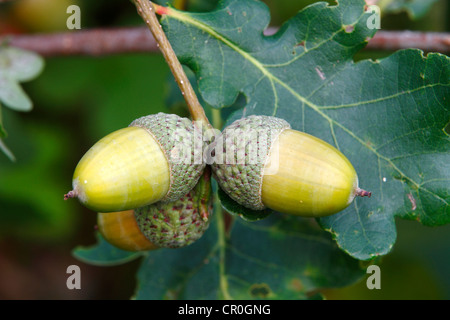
(70, 194)
(363, 193)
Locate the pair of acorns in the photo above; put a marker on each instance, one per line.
(150, 182)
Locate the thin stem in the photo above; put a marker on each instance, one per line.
(223, 282)
(71, 194)
(100, 42)
(146, 10)
(89, 42)
(228, 218)
(216, 118)
(363, 193)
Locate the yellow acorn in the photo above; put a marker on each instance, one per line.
(160, 225)
(263, 163)
(154, 159)
(121, 230)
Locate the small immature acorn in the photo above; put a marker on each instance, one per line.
(121, 230)
(161, 225)
(266, 164)
(151, 160)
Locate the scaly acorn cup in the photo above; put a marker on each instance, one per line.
(266, 164)
(161, 225)
(155, 159)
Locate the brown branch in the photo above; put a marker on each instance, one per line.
(92, 42)
(395, 40)
(97, 42)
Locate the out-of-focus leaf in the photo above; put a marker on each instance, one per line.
(12, 94)
(16, 65)
(6, 151)
(103, 102)
(416, 9)
(20, 65)
(31, 189)
(397, 272)
(3, 133)
(104, 254)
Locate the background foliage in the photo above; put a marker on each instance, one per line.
(78, 100)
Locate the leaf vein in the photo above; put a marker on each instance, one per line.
(319, 109)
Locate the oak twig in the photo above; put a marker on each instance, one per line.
(93, 42)
(96, 42)
(147, 11)
(396, 40)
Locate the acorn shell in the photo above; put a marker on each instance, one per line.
(121, 230)
(124, 170)
(312, 178)
(182, 143)
(294, 172)
(155, 159)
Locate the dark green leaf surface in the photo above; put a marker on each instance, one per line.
(248, 264)
(191, 5)
(236, 209)
(244, 264)
(104, 254)
(387, 116)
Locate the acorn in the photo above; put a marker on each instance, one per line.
(121, 230)
(161, 225)
(260, 162)
(154, 159)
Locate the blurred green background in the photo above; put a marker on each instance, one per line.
(78, 100)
